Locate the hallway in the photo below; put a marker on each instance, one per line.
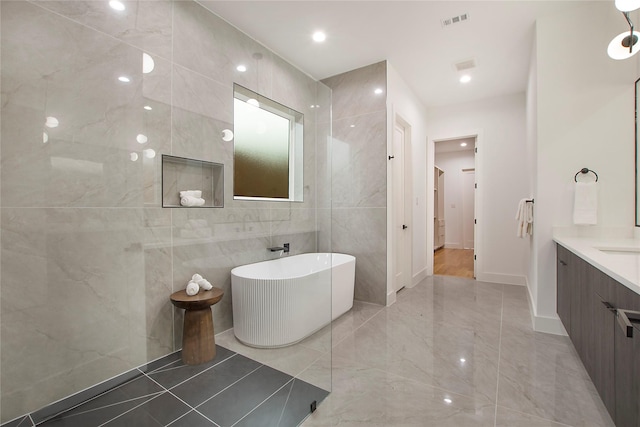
(453, 262)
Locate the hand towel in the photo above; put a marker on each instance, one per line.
(585, 204)
(204, 284)
(524, 217)
(191, 201)
(192, 288)
(192, 193)
(196, 277)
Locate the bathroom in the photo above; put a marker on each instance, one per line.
(88, 226)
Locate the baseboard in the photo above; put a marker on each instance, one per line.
(548, 325)
(453, 246)
(505, 279)
(419, 277)
(391, 298)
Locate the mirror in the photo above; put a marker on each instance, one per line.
(267, 150)
(637, 156)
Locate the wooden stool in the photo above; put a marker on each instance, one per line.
(198, 341)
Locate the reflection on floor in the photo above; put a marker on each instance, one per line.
(453, 262)
(457, 352)
(231, 390)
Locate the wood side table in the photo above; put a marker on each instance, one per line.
(198, 341)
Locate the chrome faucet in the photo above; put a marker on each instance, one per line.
(284, 248)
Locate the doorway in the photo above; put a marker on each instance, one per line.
(454, 207)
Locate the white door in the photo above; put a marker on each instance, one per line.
(400, 274)
(468, 209)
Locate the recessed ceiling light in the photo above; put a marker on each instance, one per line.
(117, 5)
(142, 139)
(463, 144)
(465, 79)
(124, 79)
(241, 68)
(448, 401)
(45, 137)
(133, 156)
(147, 107)
(319, 36)
(253, 101)
(378, 91)
(352, 126)
(149, 153)
(462, 360)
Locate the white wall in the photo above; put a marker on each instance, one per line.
(452, 164)
(585, 118)
(501, 176)
(402, 101)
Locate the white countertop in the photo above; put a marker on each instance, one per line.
(618, 258)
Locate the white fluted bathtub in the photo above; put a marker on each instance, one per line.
(282, 301)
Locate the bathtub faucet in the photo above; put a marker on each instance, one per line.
(284, 248)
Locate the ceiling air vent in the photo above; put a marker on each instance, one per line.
(465, 65)
(455, 20)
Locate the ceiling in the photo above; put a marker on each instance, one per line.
(497, 35)
(453, 145)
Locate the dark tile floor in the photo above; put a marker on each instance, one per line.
(231, 390)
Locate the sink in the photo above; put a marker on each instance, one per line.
(620, 251)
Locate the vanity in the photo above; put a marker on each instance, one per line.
(598, 301)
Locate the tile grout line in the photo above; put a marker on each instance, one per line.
(495, 416)
(267, 398)
(229, 386)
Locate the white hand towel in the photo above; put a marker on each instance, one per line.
(585, 206)
(524, 218)
(192, 288)
(196, 277)
(192, 193)
(204, 284)
(191, 201)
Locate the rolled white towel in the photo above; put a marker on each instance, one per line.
(196, 277)
(204, 284)
(191, 201)
(191, 193)
(192, 288)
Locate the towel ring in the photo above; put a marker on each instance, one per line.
(585, 170)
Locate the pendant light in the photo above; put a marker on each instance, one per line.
(624, 45)
(627, 5)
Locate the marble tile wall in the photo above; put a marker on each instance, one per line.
(88, 256)
(359, 176)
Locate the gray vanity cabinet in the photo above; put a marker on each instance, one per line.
(602, 373)
(587, 304)
(627, 374)
(567, 275)
(627, 359)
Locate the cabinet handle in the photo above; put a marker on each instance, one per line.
(562, 262)
(625, 323)
(609, 306)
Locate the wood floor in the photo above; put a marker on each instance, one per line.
(453, 262)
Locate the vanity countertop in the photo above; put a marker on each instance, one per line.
(618, 258)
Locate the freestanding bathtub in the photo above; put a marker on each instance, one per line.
(279, 302)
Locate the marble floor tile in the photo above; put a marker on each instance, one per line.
(461, 360)
(364, 396)
(458, 339)
(509, 418)
(291, 360)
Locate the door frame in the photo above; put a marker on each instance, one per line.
(477, 250)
